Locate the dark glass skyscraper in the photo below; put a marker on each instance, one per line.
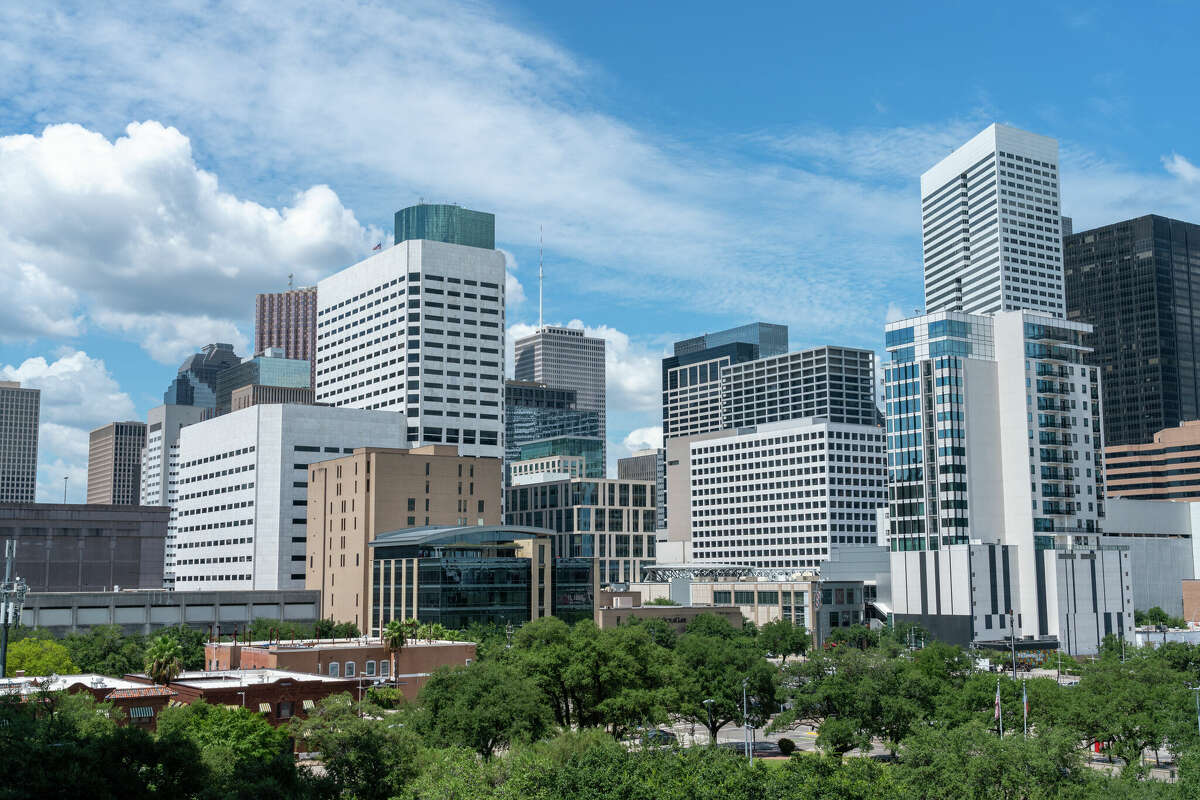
(449, 224)
(534, 411)
(1138, 283)
(196, 383)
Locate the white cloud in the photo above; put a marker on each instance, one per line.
(1181, 168)
(644, 439)
(155, 249)
(78, 394)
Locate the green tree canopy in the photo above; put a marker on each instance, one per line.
(39, 657)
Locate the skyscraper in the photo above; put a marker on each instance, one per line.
(1134, 282)
(691, 378)
(268, 368)
(115, 464)
(534, 411)
(196, 382)
(567, 359)
(991, 227)
(160, 470)
(20, 410)
(418, 329)
(996, 496)
(449, 224)
(288, 320)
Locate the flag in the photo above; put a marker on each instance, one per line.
(1024, 698)
(997, 715)
(378, 246)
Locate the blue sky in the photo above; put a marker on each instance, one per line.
(693, 168)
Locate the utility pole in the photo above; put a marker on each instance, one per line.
(1196, 689)
(12, 599)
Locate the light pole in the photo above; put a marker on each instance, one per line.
(708, 707)
(1196, 689)
(1012, 632)
(65, 479)
(12, 598)
(746, 720)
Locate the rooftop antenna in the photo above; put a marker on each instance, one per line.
(290, 280)
(540, 276)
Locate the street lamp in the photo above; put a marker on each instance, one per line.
(746, 721)
(708, 707)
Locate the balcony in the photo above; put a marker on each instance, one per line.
(1055, 474)
(1056, 493)
(1053, 421)
(1052, 371)
(1053, 439)
(1056, 509)
(1053, 388)
(1056, 457)
(1047, 404)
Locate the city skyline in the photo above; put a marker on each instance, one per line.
(101, 352)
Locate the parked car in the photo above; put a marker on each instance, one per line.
(659, 738)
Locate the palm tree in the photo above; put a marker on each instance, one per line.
(412, 626)
(164, 660)
(394, 635)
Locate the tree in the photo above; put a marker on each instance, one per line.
(780, 637)
(541, 650)
(191, 644)
(394, 636)
(712, 667)
(107, 650)
(661, 601)
(367, 755)
(840, 692)
(39, 657)
(164, 660)
(483, 707)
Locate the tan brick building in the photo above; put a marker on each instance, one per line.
(353, 499)
(1166, 469)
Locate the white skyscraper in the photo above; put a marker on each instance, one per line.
(991, 226)
(418, 330)
(241, 511)
(996, 496)
(160, 469)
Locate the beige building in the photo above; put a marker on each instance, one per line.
(1166, 469)
(537, 470)
(353, 499)
(114, 476)
(254, 394)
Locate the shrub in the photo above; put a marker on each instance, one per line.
(787, 746)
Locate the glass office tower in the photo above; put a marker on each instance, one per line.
(446, 223)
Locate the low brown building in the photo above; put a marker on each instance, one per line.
(135, 703)
(1166, 469)
(277, 694)
(353, 499)
(367, 659)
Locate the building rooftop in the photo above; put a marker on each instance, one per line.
(233, 678)
(333, 644)
(31, 684)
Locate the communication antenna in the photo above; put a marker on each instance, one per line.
(540, 276)
(290, 280)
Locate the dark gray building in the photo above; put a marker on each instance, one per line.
(648, 465)
(196, 382)
(1138, 283)
(83, 548)
(20, 410)
(837, 383)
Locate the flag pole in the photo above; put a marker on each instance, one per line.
(1025, 707)
(999, 715)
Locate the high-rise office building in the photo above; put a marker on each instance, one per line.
(287, 320)
(196, 382)
(1134, 282)
(534, 411)
(449, 224)
(991, 226)
(114, 475)
(589, 448)
(418, 330)
(649, 465)
(995, 491)
(691, 377)
(834, 383)
(20, 411)
(731, 502)
(566, 359)
(268, 368)
(1162, 469)
(242, 490)
(159, 481)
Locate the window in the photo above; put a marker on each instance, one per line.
(369, 669)
(349, 669)
(384, 668)
(722, 598)
(333, 669)
(743, 598)
(285, 710)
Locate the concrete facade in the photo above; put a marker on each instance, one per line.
(1167, 468)
(242, 506)
(353, 499)
(160, 470)
(70, 548)
(417, 330)
(255, 394)
(568, 359)
(147, 611)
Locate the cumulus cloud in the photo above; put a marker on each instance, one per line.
(643, 439)
(1181, 168)
(78, 394)
(155, 250)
